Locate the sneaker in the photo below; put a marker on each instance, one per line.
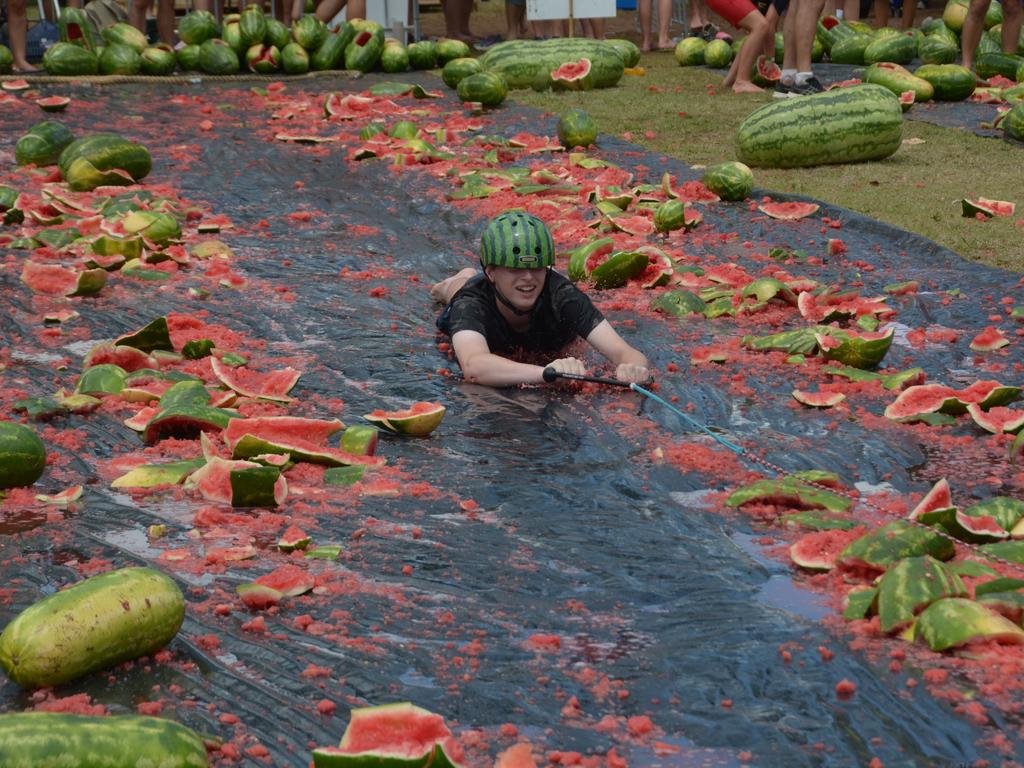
(784, 89)
(807, 88)
(709, 31)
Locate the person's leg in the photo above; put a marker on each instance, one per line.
(165, 21)
(807, 12)
(328, 9)
(17, 30)
(970, 36)
(137, 15)
(443, 291)
(696, 16)
(851, 10)
(909, 11)
(644, 10)
(664, 24)
(466, 10)
(1011, 25)
(757, 27)
(882, 13)
(515, 20)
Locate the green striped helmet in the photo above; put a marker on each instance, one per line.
(518, 240)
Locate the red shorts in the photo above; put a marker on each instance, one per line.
(732, 11)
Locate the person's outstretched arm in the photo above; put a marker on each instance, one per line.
(481, 366)
(631, 364)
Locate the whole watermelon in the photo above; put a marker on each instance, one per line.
(330, 54)
(232, 35)
(451, 49)
(118, 59)
(690, 51)
(309, 32)
(278, 34)
(188, 58)
(252, 26)
(6, 60)
(730, 181)
(627, 49)
(718, 54)
(69, 60)
(43, 143)
(395, 58)
(1013, 123)
(576, 129)
(218, 58)
(294, 59)
(487, 88)
(456, 69)
(423, 54)
(197, 27)
(159, 60)
(125, 34)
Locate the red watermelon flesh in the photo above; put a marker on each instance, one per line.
(572, 73)
(274, 385)
(282, 429)
(789, 211)
(289, 580)
(997, 420)
(395, 729)
(55, 279)
(989, 340)
(939, 497)
(129, 358)
(213, 480)
(922, 398)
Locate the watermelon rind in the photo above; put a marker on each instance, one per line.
(892, 542)
(910, 586)
(418, 421)
(955, 621)
(818, 399)
(22, 455)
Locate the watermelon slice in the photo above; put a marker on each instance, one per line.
(289, 580)
(239, 483)
(997, 420)
(53, 103)
(55, 279)
(399, 734)
(302, 439)
(420, 419)
(818, 399)
(986, 208)
(989, 340)
(788, 211)
(274, 385)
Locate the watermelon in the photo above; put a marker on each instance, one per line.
(448, 49)
(573, 76)
(252, 26)
(936, 49)
(423, 54)
(43, 144)
(689, 51)
(987, 208)
(844, 125)
(910, 586)
(55, 279)
(672, 215)
(1013, 122)
(303, 439)
(125, 34)
(118, 59)
(487, 88)
(788, 210)
(819, 550)
(266, 386)
(294, 59)
(22, 456)
(718, 54)
(231, 33)
(576, 129)
(864, 350)
(850, 50)
(263, 59)
(216, 57)
(989, 340)
(898, 80)
(818, 399)
(627, 49)
(308, 31)
(159, 60)
(956, 621)
(457, 69)
(401, 735)
(419, 420)
(277, 35)
(103, 159)
(1004, 64)
(196, 27)
(529, 63)
(239, 483)
(331, 53)
(363, 53)
(729, 180)
(188, 58)
(75, 27)
(952, 82)
(6, 60)
(70, 60)
(765, 73)
(394, 58)
(896, 48)
(997, 420)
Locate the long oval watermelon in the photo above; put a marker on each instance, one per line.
(844, 125)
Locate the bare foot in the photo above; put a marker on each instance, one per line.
(646, 46)
(665, 45)
(745, 86)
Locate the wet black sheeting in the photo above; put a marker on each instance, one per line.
(581, 537)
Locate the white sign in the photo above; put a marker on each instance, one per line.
(540, 10)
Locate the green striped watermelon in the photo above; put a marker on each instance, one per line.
(524, 62)
(844, 125)
(730, 181)
(952, 82)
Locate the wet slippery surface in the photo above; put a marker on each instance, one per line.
(539, 568)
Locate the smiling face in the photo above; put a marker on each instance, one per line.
(521, 287)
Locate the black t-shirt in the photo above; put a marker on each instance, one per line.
(562, 313)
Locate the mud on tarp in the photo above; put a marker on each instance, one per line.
(538, 566)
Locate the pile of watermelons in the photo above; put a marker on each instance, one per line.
(885, 51)
(248, 41)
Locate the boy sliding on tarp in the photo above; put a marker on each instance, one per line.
(520, 304)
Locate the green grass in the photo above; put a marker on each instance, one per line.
(918, 189)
